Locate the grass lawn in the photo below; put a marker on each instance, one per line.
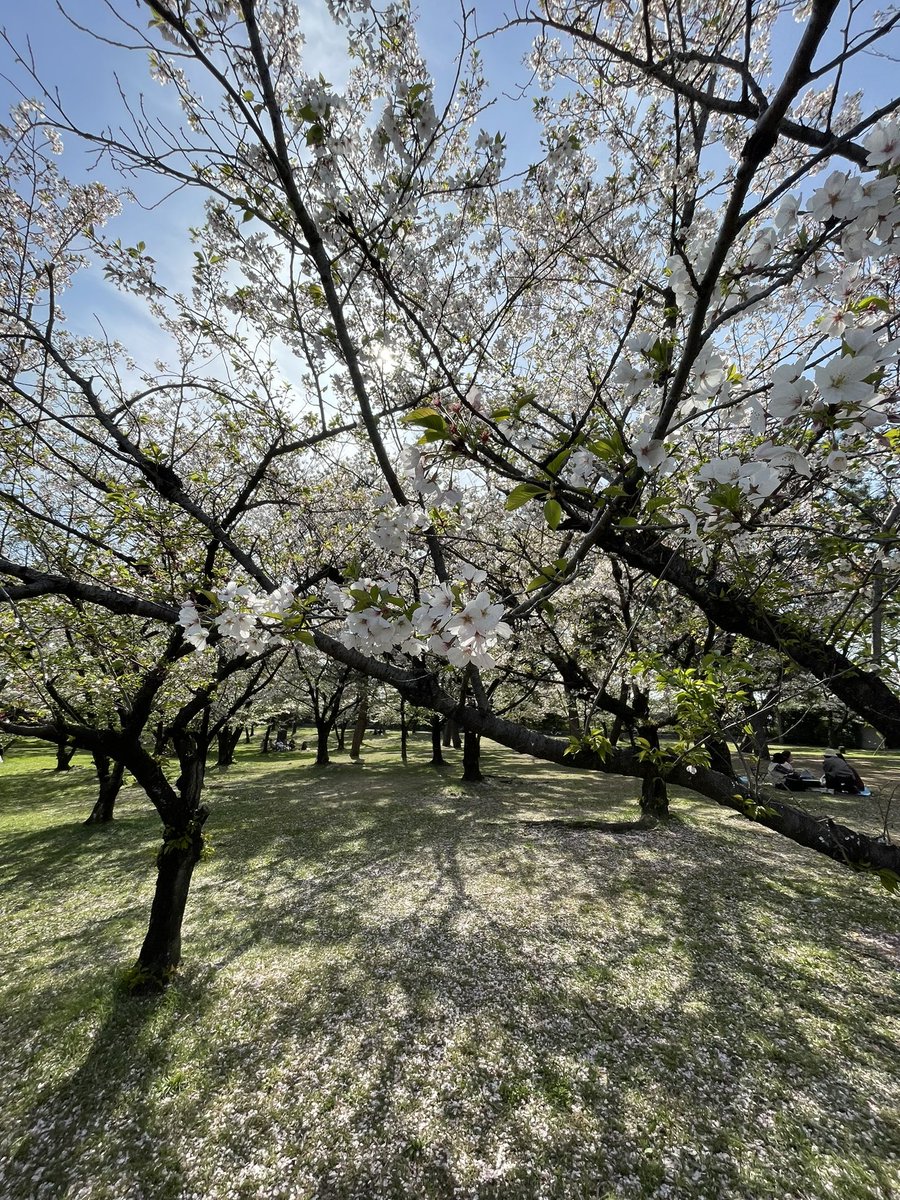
(397, 986)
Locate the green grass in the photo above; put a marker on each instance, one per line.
(395, 986)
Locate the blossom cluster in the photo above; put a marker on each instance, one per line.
(244, 616)
(452, 620)
(394, 524)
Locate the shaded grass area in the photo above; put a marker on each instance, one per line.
(396, 985)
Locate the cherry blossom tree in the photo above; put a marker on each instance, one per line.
(664, 344)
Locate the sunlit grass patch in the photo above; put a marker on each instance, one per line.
(396, 985)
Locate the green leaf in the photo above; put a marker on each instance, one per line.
(552, 573)
(554, 465)
(426, 418)
(868, 302)
(610, 449)
(553, 513)
(521, 494)
(628, 523)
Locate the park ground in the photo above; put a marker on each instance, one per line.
(398, 986)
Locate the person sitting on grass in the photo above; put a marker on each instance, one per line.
(840, 776)
(783, 774)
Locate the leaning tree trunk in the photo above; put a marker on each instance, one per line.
(323, 730)
(472, 757)
(179, 853)
(226, 742)
(109, 778)
(64, 755)
(437, 755)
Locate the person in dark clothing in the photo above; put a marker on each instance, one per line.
(840, 775)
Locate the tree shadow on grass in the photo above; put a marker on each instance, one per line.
(102, 1131)
(417, 995)
(445, 1034)
(72, 850)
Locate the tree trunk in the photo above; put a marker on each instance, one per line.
(472, 758)
(573, 720)
(109, 777)
(451, 734)
(226, 740)
(720, 756)
(617, 724)
(322, 756)
(64, 754)
(160, 739)
(437, 756)
(759, 734)
(341, 736)
(654, 794)
(265, 742)
(161, 951)
(404, 731)
(179, 853)
(362, 716)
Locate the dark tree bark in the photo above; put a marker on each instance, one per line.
(341, 736)
(759, 735)
(161, 952)
(451, 733)
(64, 755)
(846, 846)
(362, 716)
(404, 730)
(720, 756)
(109, 778)
(182, 845)
(226, 741)
(472, 757)
(437, 755)
(654, 794)
(323, 730)
(265, 742)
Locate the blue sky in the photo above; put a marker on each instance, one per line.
(84, 71)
